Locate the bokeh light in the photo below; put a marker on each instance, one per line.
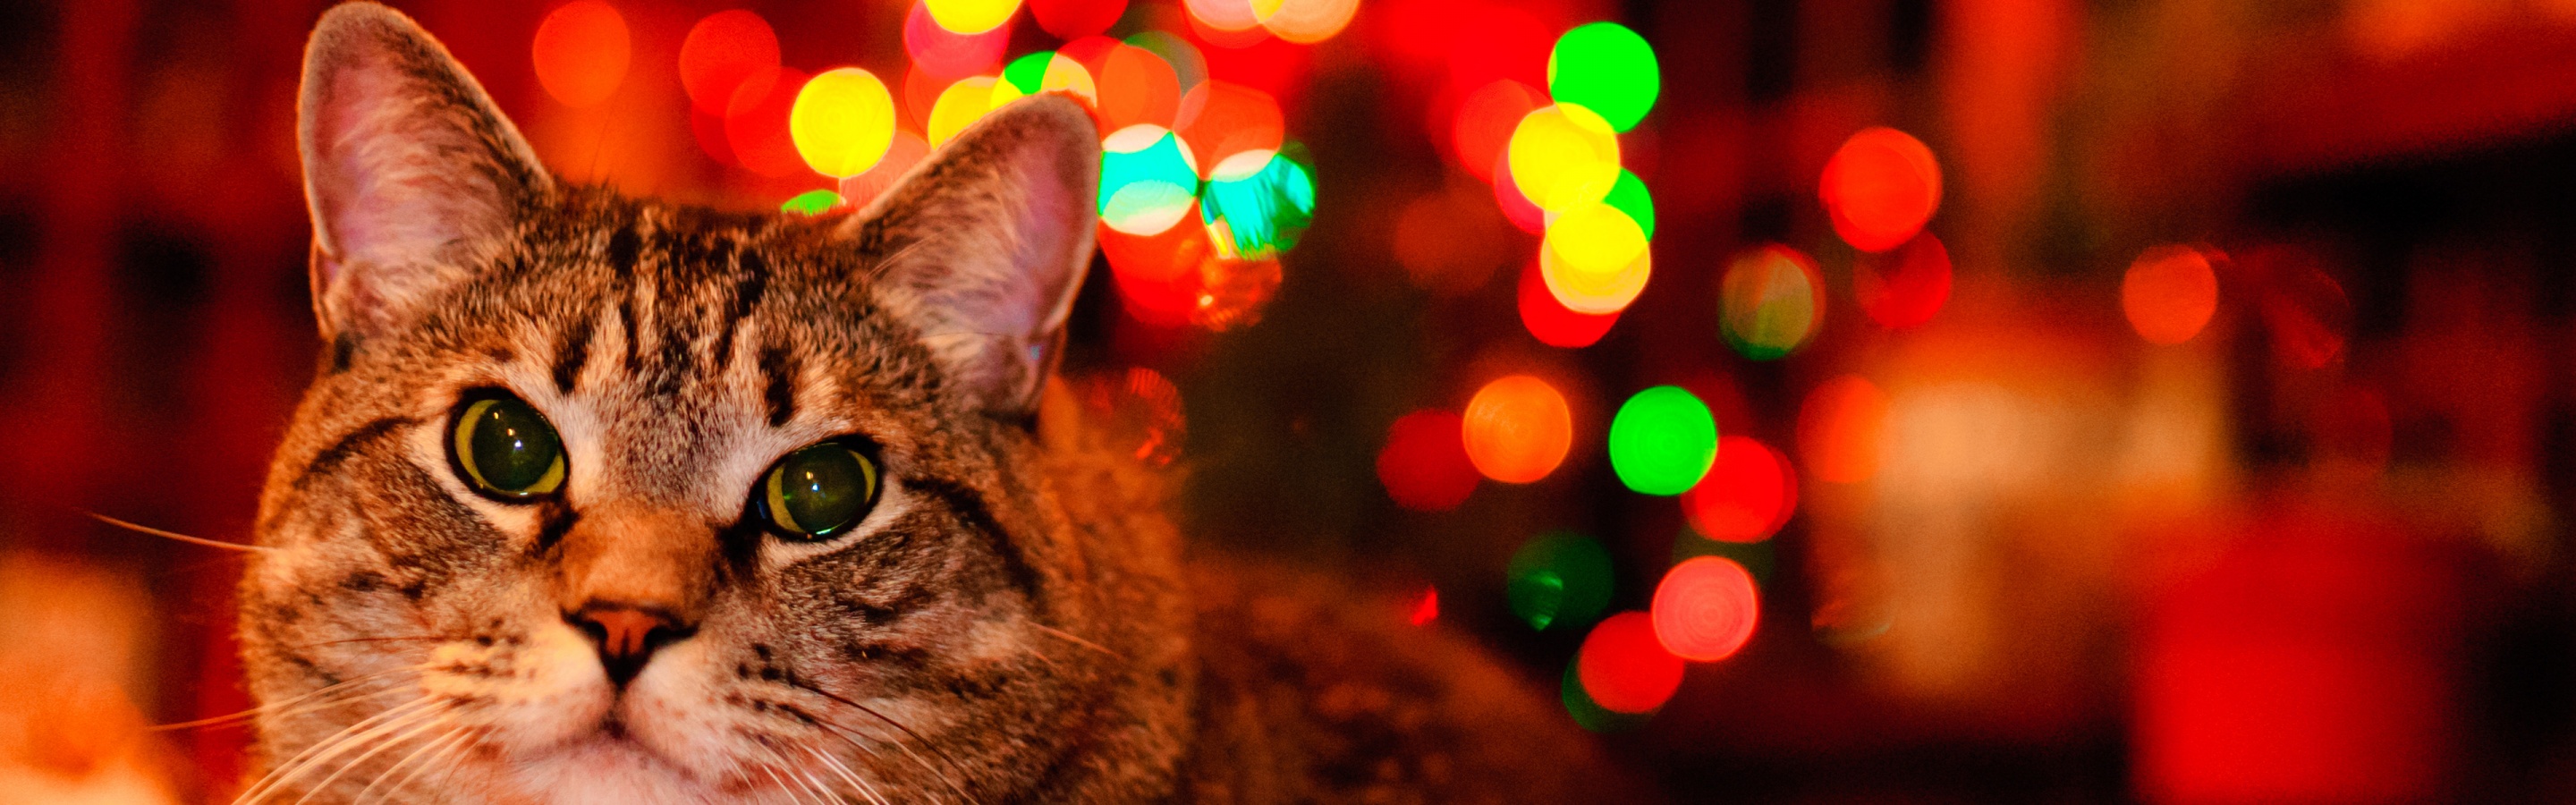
(959, 106)
(1188, 65)
(1517, 208)
(756, 125)
(1517, 429)
(1485, 122)
(721, 52)
(1424, 464)
(1595, 259)
(1147, 179)
(946, 54)
(971, 16)
(1839, 428)
(1227, 15)
(907, 150)
(1608, 69)
(1494, 41)
(1075, 19)
(1221, 119)
(1306, 22)
(2306, 316)
(1880, 188)
(581, 51)
(1563, 157)
(1257, 204)
(1771, 299)
(1042, 72)
(1550, 321)
(1662, 440)
(1425, 609)
(1232, 291)
(1904, 288)
(2169, 294)
(1746, 496)
(1706, 609)
(1137, 87)
(1625, 668)
(842, 122)
(1559, 580)
(1587, 713)
(1158, 276)
(1630, 197)
(811, 202)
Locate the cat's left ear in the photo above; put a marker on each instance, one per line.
(984, 246)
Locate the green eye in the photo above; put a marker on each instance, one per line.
(506, 449)
(818, 491)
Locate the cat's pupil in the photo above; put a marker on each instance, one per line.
(820, 490)
(506, 447)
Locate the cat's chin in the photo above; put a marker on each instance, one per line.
(610, 767)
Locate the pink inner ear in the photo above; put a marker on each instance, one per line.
(391, 188)
(1052, 226)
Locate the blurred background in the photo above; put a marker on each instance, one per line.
(1832, 401)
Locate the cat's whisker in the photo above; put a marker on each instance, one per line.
(366, 739)
(780, 769)
(339, 692)
(842, 770)
(1079, 641)
(173, 535)
(436, 719)
(906, 746)
(447, 757)
(293, 766)
(395, 639)
(437, 744)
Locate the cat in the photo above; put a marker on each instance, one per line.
(602, 499)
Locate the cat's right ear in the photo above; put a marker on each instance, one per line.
(413, 176)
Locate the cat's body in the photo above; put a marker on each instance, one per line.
(1009, 617)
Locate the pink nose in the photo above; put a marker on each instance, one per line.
(626, 636)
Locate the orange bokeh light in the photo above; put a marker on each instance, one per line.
(947, 54)
(1220, 119)
(756, 125)
(1136, 86)
(1839, 429)
(1485, 122)
(1424, 465)
(721, 53)
(1624, 667)
(1880, 188)
(581, 51)
(1904, 288)
(2169, 294)
(1746, 497)
(1517, 429)
(1706, 608)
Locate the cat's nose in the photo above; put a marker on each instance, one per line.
(626, 635)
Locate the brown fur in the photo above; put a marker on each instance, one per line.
(1014, 622)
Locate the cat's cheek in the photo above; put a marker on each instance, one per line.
(672, 709)
(552, 695)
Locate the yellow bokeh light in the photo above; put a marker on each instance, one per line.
(842, 122)
(1062, 75)
(1563, 157)
(1307, 22)
(959, 106)
(1595, 259)
(971, 16)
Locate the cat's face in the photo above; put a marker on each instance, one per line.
(603, 500)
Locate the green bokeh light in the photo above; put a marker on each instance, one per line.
(1662, 441)
(1769, 303)
(1608, 69)
(1629, 196)
(811, 202)
(1028, 73)
(1591, 715)
(1559, 580)
(1146, 190)
(1256, 213)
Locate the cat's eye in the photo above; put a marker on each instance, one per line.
(505, 449)
(817, 491)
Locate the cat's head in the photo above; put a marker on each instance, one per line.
(600, 499)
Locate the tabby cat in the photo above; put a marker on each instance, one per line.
(602, 499)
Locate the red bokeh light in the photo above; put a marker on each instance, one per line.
(1706, 608)
(1550, 321)
(1517, 429)
(948, 54)
(756, 125)
(581, 51)
(1075, 19)
(2169, 294)
(1220, 119)
(1158, 277)
(1625, 668)
(1484, 123)
(1839, 428)
(1494, 43)
(1424, 465)
(1907, 287)
(721, 53)
(1517, 208)
(1880, 188)
(1746, 497)
(1425, 609)
(2305, 312)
